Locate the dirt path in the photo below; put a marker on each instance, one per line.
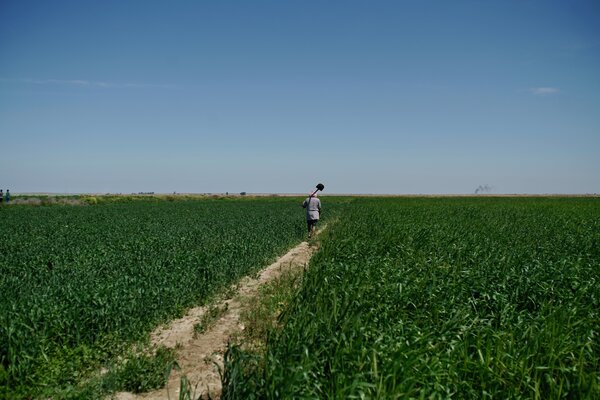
(197, 354)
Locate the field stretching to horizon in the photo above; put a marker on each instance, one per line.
(440, 298)
(80, 283)
(407, 297)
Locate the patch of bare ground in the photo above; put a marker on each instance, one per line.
(200, 355)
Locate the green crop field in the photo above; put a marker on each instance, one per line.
(406, 298)
(79, 282)
(440, 298)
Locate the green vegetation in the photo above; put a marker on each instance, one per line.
(406, 298)
(440, 298)
(80, 284)
(210, 318)
(136, 373)
(263, 312)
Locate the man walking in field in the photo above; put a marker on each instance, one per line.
(313, 212)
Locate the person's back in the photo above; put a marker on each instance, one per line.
(313, 208)
(313, 212)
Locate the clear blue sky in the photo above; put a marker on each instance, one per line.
(275, 96)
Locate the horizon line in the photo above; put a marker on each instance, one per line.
(301, 194)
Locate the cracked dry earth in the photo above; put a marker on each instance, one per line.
(198, 354)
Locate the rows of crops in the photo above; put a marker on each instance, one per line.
(78, 281)
(441, 298)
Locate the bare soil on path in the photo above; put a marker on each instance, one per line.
(200, 354)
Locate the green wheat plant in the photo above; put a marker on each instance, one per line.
(440, 298)
(79, 285)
